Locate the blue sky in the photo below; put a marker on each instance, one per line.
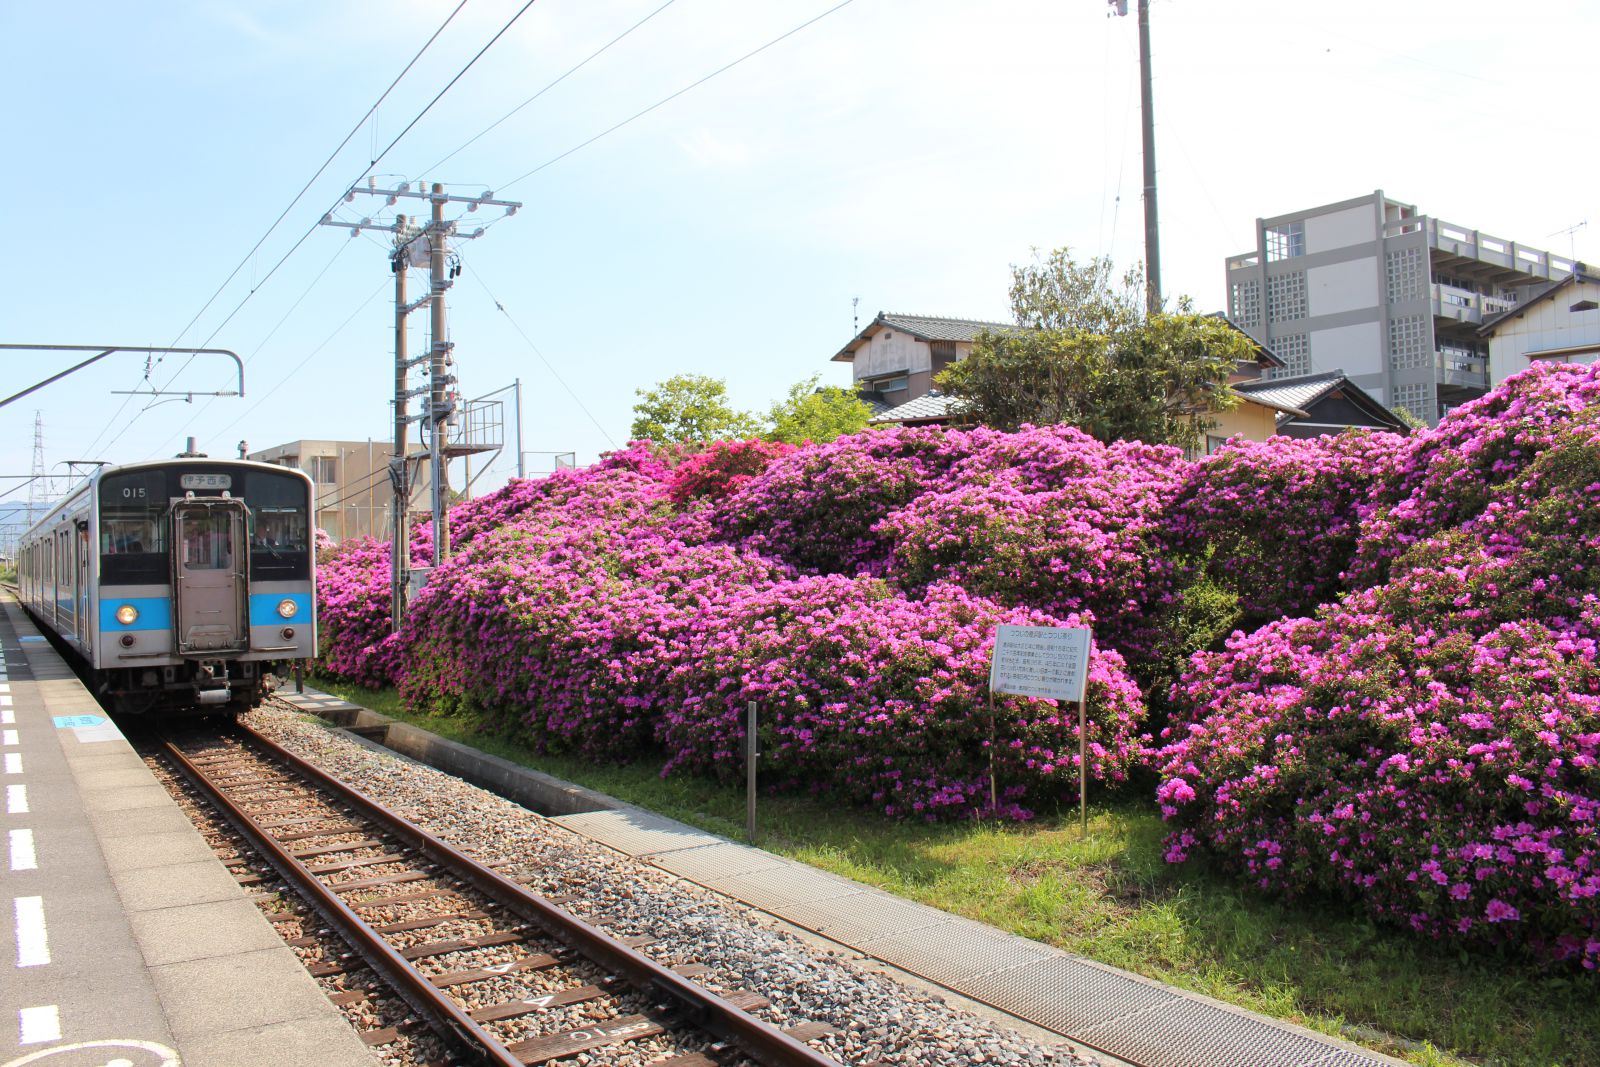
(902, 152)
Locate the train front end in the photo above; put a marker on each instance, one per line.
(205, 585)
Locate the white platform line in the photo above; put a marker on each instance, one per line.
(5, 700)
(7, 716)
(4, 687)
(9, 738)
(35, 1026)
(13, 763)
(16, 800)
(33, 940)
(23, 857)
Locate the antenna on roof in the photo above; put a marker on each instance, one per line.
(855, 316)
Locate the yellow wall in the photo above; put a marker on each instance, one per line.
(1247, 419)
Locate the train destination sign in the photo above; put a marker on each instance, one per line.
(1040, 661)
(205, 481)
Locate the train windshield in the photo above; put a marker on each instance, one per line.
(280, 545)
(133, 529)
(135, 525)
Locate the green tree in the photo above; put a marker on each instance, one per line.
(689, 409)
(817, 413)
(1085, 353)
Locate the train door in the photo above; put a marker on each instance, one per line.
(84, 618)
(209, 565)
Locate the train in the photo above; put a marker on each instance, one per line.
(182, 585)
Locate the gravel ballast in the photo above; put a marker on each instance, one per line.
(879, 1021)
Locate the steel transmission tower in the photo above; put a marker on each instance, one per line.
(416, 244)
(38, 497)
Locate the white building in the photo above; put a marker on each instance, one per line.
(1556, 323)
(1393, 297)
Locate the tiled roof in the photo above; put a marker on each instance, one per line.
(929, 406)
(1298, 392)
(1302, 391)
(923, 327)
(1578, 277)
(938, 328)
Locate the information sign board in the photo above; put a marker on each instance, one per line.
(1040, 661)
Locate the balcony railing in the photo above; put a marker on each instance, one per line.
(1468, 371)
(478, 426)
(1463, 305)
(1475, 244)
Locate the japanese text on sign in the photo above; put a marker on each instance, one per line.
(1040, 661)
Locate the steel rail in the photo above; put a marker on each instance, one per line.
(761, 1041)
(445, 1015)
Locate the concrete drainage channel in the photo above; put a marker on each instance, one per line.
(532, 789)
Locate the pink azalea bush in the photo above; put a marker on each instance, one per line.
(872, 698)
(816, 507)
(1428, 746)
(721, 468)
(1275, 522)
(1445, 477)
(353, 609)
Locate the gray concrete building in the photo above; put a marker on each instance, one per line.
(354, 494)
(1392, 297)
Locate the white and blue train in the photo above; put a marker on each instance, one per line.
(183, 584)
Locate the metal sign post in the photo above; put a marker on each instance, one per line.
(1050, 662)
(750, 756)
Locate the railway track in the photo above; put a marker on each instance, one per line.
(360, 867)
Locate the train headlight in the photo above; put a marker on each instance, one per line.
(127, 614)
(288, 608)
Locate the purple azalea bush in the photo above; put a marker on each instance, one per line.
(1411, 719)
(1427, 746)
(1275, 522)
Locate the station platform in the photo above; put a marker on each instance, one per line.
(125, 940)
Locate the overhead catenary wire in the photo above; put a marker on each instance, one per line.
(308, 358)
(535, 350)
(374, 162)
(248, 256)
(668, 99)
(548, 86)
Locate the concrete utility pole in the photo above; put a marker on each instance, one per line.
(410, 240)
(1152, 231)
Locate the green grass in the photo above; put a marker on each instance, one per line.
(1113, 898)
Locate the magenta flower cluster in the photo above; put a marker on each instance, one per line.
(636, 605)
(1410, 716)
(1427, 746)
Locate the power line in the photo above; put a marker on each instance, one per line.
(257, 350)
(309, 357)
(668, 99)
(325, 164)
(535, 349)
(284, 214)
(592, 56)
(367, 169)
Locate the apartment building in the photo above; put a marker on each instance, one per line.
(1392, 297)
(354, 497)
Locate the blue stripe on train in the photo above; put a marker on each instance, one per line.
(155, 613)
(264, 609)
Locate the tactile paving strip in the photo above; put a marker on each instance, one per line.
(1067, 994)
(635, 832)
(721, 860)
(861, 917)
(1189, 1032)
(954, 952)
